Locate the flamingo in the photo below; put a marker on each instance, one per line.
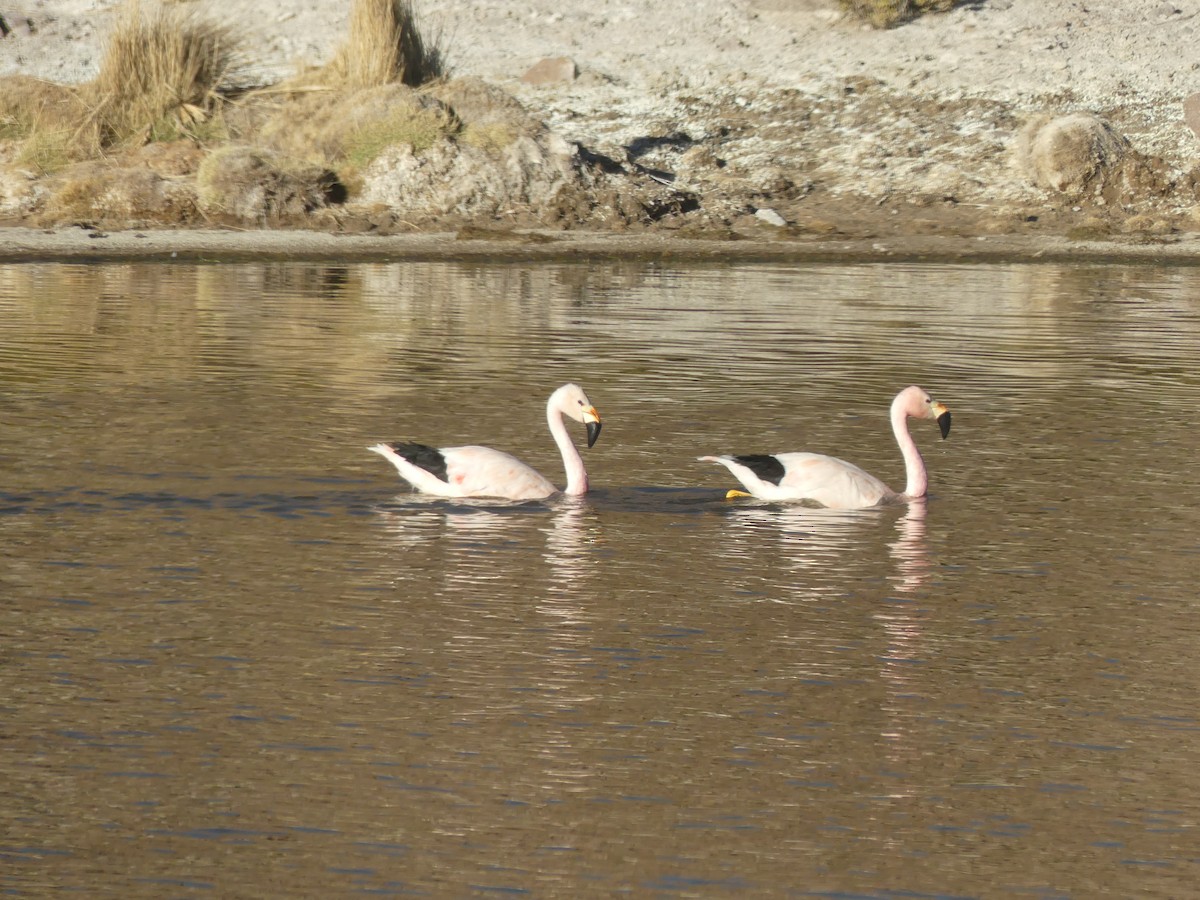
(483, 472)
(834, 482)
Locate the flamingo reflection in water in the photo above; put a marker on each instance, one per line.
(466, 541)
(909, 551)
(570, 537)
(904, 622)
(817, 539)
(825, 555)
(491, 600)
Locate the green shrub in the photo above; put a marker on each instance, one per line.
(491, 136)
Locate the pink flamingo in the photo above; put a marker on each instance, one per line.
(834, 482)
(483, 472)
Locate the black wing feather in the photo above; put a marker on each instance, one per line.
(766, 467)
(424, 457)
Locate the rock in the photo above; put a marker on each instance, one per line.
(501, 162)
(20, 192)
(1191, 113)
(770, 217)
(455, 178)
(551, 70)
(1070, 153)
(701, 158)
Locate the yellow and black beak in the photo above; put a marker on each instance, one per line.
(592, 419)
(943, 419)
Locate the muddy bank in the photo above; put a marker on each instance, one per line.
(20, 244)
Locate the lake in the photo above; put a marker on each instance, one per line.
(241, 659)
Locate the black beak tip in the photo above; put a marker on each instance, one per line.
(944, 424)
(593, 432)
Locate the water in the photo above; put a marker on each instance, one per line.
(239, 659)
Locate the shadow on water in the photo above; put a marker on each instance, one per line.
(319, 500)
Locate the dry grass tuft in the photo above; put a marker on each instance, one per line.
(159, 80)
(385, 45)
(889, 13)
(47, 150)
(46, 118)
(160, 76)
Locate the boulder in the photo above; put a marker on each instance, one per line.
(457, 178)
(1071, 153)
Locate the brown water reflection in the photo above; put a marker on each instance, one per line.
(240, 660)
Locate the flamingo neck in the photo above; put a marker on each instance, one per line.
(577, 480)
(914, 465)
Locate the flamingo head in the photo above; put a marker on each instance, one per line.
(914, 401)
(573, 402)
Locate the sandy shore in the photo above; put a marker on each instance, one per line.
(861, 140)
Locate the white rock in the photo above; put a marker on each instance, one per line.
(770, 217)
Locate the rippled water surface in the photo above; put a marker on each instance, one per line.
(239, 658)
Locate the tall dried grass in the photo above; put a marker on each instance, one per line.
(385, 45)
(160, 76)
(889, 13)
(159, 79)
(25, 101)
(46, 119)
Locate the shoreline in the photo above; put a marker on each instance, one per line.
(21, 245)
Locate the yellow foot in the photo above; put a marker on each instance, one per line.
(733, 495)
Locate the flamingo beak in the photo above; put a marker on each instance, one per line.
(592, 419)
(943, 419)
